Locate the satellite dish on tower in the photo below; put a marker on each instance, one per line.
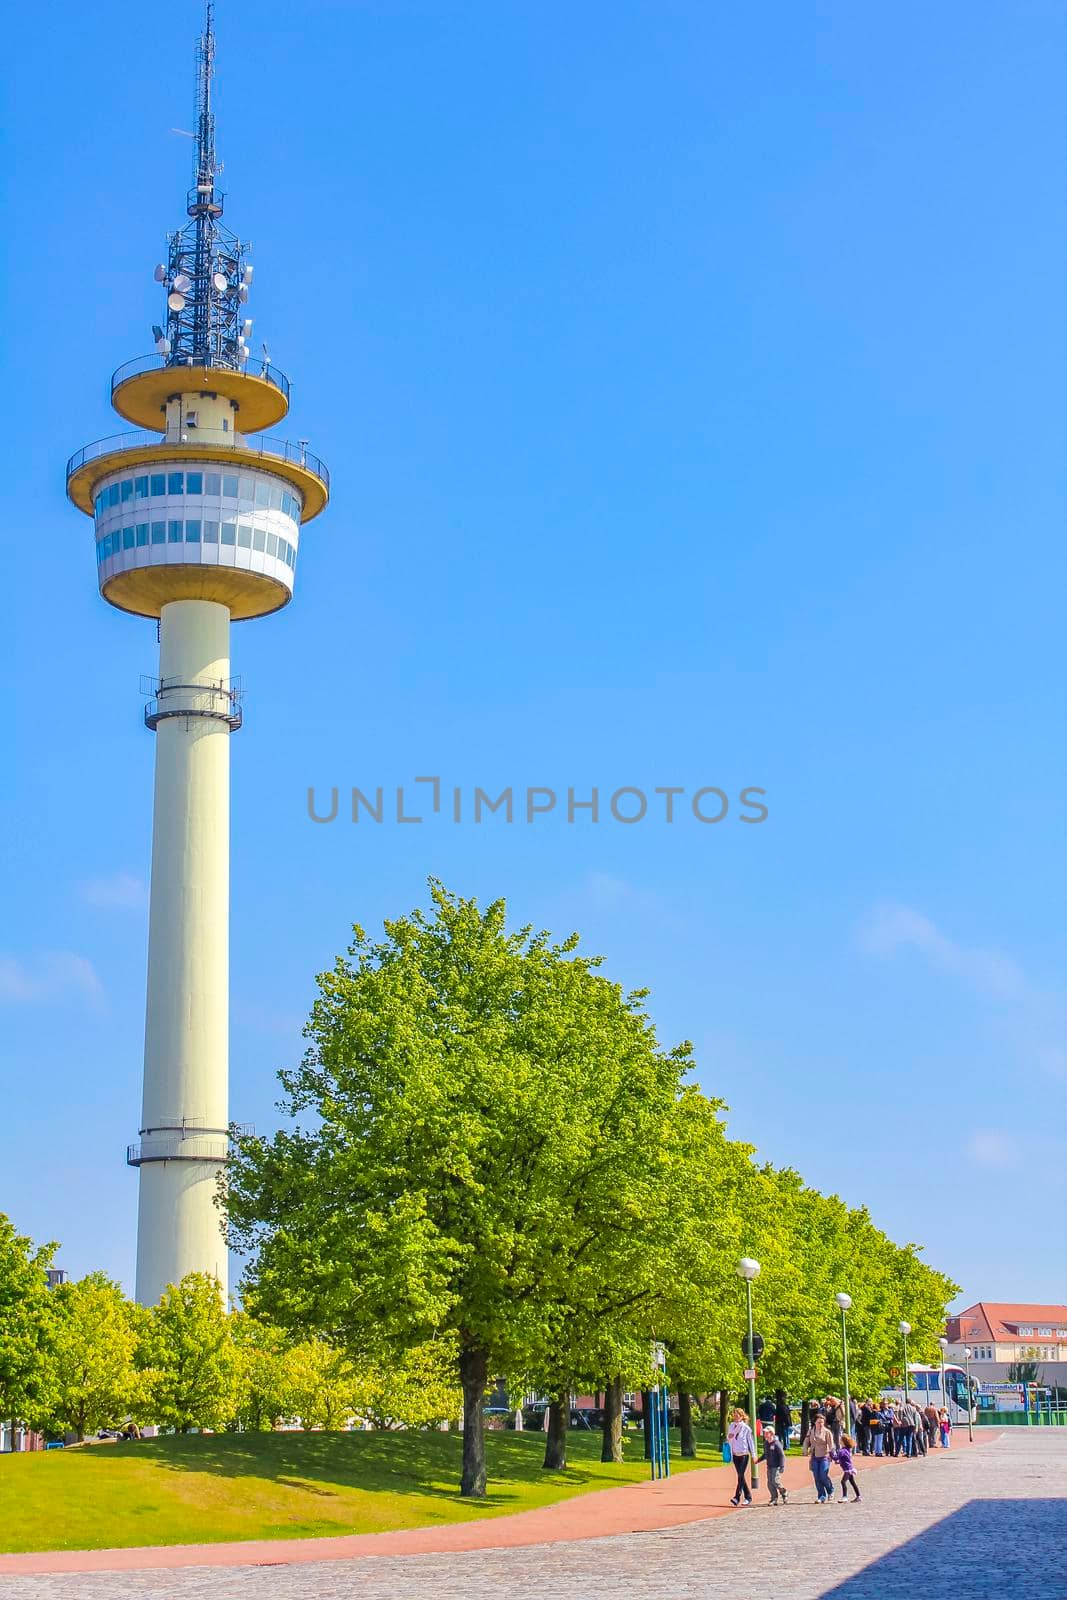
(182, 283)
(176, 301)
(221, 282)
(160, 273)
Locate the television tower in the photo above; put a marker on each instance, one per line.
(197, 520)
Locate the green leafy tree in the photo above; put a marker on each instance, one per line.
(487, 1127)
(322, 1384)
(187, 1357)
(416, 1389)
(93, 1379)
(262, 1386)
(25, 1326)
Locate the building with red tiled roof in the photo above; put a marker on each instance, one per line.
(1000, 1332)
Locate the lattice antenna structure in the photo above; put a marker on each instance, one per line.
(206, 279)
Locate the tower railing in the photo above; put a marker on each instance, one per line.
(253, 368)
(186, 1140)
(255, 444)
(174, 698)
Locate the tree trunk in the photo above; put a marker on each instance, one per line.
(611, 1433)
(723, 1402)
(805, 1418)
(559, 1416)
(685, 1425)
(646, 1421)
(474, 1376)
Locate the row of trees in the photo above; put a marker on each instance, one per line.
(491, 1169)
(82, 1357)
(488, 1146)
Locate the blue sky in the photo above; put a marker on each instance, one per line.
(691, 381)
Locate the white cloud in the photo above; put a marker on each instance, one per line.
(895, 927)
(992, 1150)
(1052, 1060)
(122, 891)
(51, 975)
(605, 890)
(1033, 1020)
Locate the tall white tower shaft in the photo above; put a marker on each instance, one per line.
(185, 1112)
(198, 517)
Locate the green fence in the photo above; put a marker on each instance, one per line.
(1019, 1419)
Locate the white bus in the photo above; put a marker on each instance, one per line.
(924, 1387)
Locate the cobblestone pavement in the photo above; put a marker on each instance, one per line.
(969, 1525)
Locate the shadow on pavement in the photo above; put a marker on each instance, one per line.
(987, 1548)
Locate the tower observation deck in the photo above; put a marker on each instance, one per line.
(198, 514)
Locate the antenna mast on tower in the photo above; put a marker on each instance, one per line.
(204, 152)
(206, 276)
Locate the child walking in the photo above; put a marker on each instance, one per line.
(843, 1457)
(773, 1459)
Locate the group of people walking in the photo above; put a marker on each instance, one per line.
(878, 1427)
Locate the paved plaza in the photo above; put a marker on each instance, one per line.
(967, 1524)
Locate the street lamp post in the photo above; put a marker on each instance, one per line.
(943, 1342)
(844, 1301)
(905, 1329)
(967, 1354)
(749, 1269)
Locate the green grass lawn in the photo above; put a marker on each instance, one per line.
(205, 1487)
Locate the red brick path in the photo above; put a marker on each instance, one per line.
(632, 1508)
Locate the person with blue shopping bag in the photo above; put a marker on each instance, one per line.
(742, 1448)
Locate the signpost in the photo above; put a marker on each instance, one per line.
(659, 1417)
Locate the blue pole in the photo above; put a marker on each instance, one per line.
(666, 1431)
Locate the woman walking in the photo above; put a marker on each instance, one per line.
(742, 1449)
(946, 1429)
(875, 1428)
(819, 1445)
